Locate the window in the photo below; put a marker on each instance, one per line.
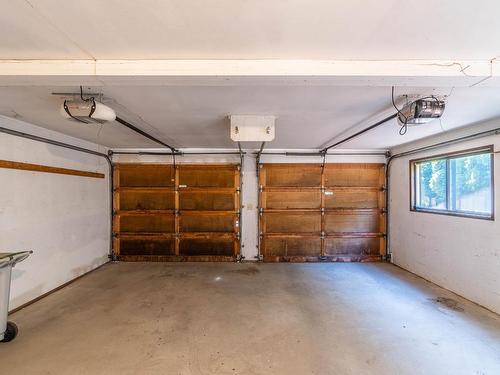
(456, 184)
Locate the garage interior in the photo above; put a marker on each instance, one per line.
(250, 187)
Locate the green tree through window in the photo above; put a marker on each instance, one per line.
(433, 183)
(461, 183)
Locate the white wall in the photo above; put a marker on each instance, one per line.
(64, 219)
(250, 188)
(459, 254)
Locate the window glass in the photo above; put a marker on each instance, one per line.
(432, 184)
(455, 184)
(471, 184)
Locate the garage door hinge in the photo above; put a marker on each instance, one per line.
(383, 211)
(383, 189)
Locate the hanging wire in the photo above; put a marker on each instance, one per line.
(81, 96)
(404, 127)
(441, 125)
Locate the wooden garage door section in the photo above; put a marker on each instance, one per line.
(312, 213)
(187, 214)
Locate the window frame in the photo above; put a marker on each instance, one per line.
(447, 157)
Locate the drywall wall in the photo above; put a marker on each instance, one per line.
(250, 187)
(64, 219)
(459, 254)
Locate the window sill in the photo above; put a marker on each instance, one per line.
(454, 213)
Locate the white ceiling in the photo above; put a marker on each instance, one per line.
(243, 29)
(192, 112)
(196, 116)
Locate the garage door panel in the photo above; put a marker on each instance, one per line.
(283, 246)
(293, 175)
(339, 222)
(303, 222)
(147, 223)
(354, 175)
(335, 215)
(146, 246)
(207, 223)
(352, 246)
(206, 201)
(198, 176)
(195, 217)
(146, 175)
(292, 200)
(351, 199)
(207, 246)
(146, 200)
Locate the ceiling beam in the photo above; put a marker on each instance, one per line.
(426, 73)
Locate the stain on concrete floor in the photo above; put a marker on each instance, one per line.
(246, 270)
(450, 303)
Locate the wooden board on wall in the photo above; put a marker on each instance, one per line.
(310, 213)
(189, 213)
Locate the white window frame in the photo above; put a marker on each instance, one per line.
(415, 185)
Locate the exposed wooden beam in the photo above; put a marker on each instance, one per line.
(47, 169)
(227, 72)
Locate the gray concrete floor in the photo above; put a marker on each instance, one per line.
(207, 318)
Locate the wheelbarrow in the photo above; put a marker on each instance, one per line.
(8, 330)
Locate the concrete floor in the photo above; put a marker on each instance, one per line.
(206, 318)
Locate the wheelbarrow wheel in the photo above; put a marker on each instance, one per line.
(10, 333)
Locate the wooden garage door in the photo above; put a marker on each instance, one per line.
(190, 213)
(312, 213)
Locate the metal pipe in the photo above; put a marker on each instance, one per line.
(257, 165)
(80, 149)
(361, 132)
(50, 141)
(240, 214)
(214, 153)
(319, 153)
(143, 133)
(177, 153)
(482, 134)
